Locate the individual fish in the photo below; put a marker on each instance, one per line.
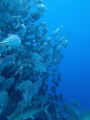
(42, 24)
(27, 112)
(39, 82)
(62, 38)
(29, 92)
(23, 85)
(44, 100)
(41, 7)
(59, 77)
(39, 66)
(8, 60)
(76, 104)
(36, 57)
(7, 84)
(21, 65)
(61, 98)
(51, 97)
(46, 87)
(4, 97)
(13, 40)
(55, 32)
(1, 79)
(35, 16)
(56, 97)
(38, 1)
(1, 7)
(65, 43)
(38, 100)
(11, 104)
(56, 84)
(24, 63)
(21, 29)
(5, 19)
(71, 111)
(2, 48)
(53, 80)
(2, 24)
(27, 70)
(53, 89)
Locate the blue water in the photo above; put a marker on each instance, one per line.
(74, 15)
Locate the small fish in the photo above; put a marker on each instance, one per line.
(24, 63)
(44, 100)
(36, 57)
(39, 82)
(23, 85)
(2, 48)
(8, 60)
(7, 84)
(53, 79)
(27, 112)
(56, 97)
(55, 32)
(71, 111)
(39, 66)
(4, 97)
(21, 29)
(76, 104)
(61, 98)
(51, 97)
(56, 84)
(38, 1)
(41, 7)
(53, 89)
(1, 79)
(35, 16)
(42, 24)
(46, 87)
(29, 92)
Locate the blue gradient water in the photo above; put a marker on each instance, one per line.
(74, 15)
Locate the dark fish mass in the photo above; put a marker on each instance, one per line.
(29, 59)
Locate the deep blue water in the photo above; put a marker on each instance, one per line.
(74, 15)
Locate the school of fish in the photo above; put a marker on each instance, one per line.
(29, 59)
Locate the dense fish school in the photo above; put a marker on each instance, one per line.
(29, 59)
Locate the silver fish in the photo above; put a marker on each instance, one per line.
(4, 97)
(1, 79)
(25, 113)
(7, 84)
(13, 40)
(29, 92)
(8, 60)
(39, 66)
(23, 85)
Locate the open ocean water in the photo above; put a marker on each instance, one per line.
(74, 16)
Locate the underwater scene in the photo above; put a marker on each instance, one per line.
(44, 60)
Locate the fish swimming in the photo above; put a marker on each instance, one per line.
(27, 112)
(13, 40)
(8, 60)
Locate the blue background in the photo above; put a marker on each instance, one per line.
(74, 15)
